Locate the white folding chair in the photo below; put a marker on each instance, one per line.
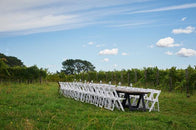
(88, 92)
(97, 95)
(108, 102)
(92, 94)
(113, 99)
(152, 100)
(84, 92)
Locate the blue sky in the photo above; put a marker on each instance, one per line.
(112, 34)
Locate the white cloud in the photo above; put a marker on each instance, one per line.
(150, 66)
(124, 54)
(187, 30)
(186, 52)
(132, 24)
(115, 65)
(151, 46)
(105, 59)
(51, 66)
(175, 7)
(33, 16)
(166, 42)
(183, 19)
(100, 45)
(113, 51)
(169, 53)
(91, 43)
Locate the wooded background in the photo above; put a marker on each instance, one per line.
(173, 79)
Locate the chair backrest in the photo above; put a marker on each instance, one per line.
(111, 92)
(92, 88)
(154, 94)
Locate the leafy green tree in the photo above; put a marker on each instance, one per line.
(17, 73)
(53, 77)
(77, 66)
(92, 75)
(32, 73)
(42, 74)
(172, 77)
(3, 68)
(101, 76)
(110, 76)
(12, 61)
(151, 75)
(191, 82)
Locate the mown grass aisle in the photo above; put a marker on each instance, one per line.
(36, 106)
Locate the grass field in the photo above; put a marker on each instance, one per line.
(36, 106)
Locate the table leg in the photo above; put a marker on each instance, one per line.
(129, 103)
(124, 101)
(138, 103)
(143, 103)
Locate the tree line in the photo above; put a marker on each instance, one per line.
(11, 61)
(171, 79)
(15, 70)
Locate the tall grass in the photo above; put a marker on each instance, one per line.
(36, 106)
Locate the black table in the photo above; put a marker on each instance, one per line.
(127, 97)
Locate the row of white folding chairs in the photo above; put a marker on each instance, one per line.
(151, 99)
(109, 98)
(101, 95)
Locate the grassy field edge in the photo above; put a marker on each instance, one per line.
(39, 106)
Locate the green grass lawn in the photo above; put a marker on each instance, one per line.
(36, 106)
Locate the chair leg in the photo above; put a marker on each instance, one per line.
(152, 106)
(119, 105)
